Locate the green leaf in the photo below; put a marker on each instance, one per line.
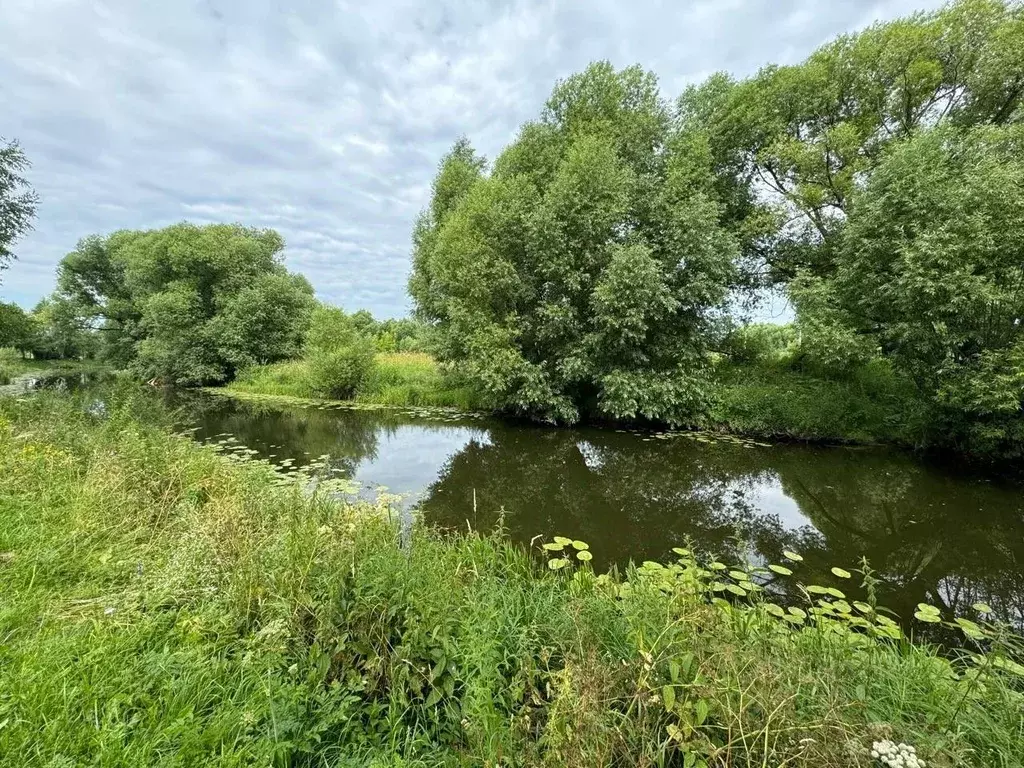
(585, 556)
(554, 547)
(781, 569)
(930, 618)
(835, 593)
(557, 563)
(982, 608)
(717, 566)
(739, 575)
(673, 671)
(815, 589)
(668, 696)
(681, 552)
(925, 608)
(790, 555)
(800, 612)
(862, 607)
(842, 574)
(702, 712)
(774, 610)
(562, 540)
(736, 590)
(580, 545)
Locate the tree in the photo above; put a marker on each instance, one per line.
(60, 332)
(17, 199)
(188, 304)
(579, 276)
(792, 144)
(932, 268)
(17, 329)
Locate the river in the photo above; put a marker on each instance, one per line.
(932, 533)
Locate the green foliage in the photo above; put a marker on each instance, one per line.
(188, 304)
(17, 328)
(932, 271)
(760, 343)
(338, 373)
(17, 200)
(60, 334)
(578, 277)
(204, 611)
(808, 133)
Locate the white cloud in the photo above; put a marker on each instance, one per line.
(325, 122)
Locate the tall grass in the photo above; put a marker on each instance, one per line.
(396, 378)
(163, 605)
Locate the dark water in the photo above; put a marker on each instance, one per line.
(934, 534)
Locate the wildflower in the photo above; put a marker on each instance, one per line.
(896, 755)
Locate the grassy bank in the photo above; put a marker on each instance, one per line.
(870, 405)
(166, 605)
(13, 364)
(396, 378)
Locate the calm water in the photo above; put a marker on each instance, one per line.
(934, 534)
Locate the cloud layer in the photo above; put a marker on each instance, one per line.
(326, 121)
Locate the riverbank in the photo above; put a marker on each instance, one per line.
(758, 401)
(396, 378)
(164, 603)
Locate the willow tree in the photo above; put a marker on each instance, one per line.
(188, 304)
(579, 277)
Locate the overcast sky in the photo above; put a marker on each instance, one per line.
(326, 120)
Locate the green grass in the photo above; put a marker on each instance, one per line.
(164, 604)
(12, 365)
(871, 405)
(398, 378)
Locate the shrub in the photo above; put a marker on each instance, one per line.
(338, 373)
(759, 343)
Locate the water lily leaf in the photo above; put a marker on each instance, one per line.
(781, 569)
(835, 593)
(790, 555)
(557, 563)
(718, 587)
(554, 547)
(774, 610)
(800, 612)
(681, 552)
(862, 607)
(814, 589)
(716, 566)
(739, 575)
(736, 590)
(585, 556)
(580, 545)
(982, 608)
(930, 609)
(930, 618)
(563, 541)
(970, 629)
(841, 573)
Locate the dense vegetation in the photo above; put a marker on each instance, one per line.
(593, 269)
(167, 606)
(187, 304)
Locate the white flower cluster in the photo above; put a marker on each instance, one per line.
(896, 755)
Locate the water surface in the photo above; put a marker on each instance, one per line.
(934, 534)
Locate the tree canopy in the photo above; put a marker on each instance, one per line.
(577, 276)
(17, 199)
(188, 304)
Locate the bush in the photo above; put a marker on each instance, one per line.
(290, 378)
(338, 373)
(760, 343)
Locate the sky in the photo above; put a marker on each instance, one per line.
(326, 119)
